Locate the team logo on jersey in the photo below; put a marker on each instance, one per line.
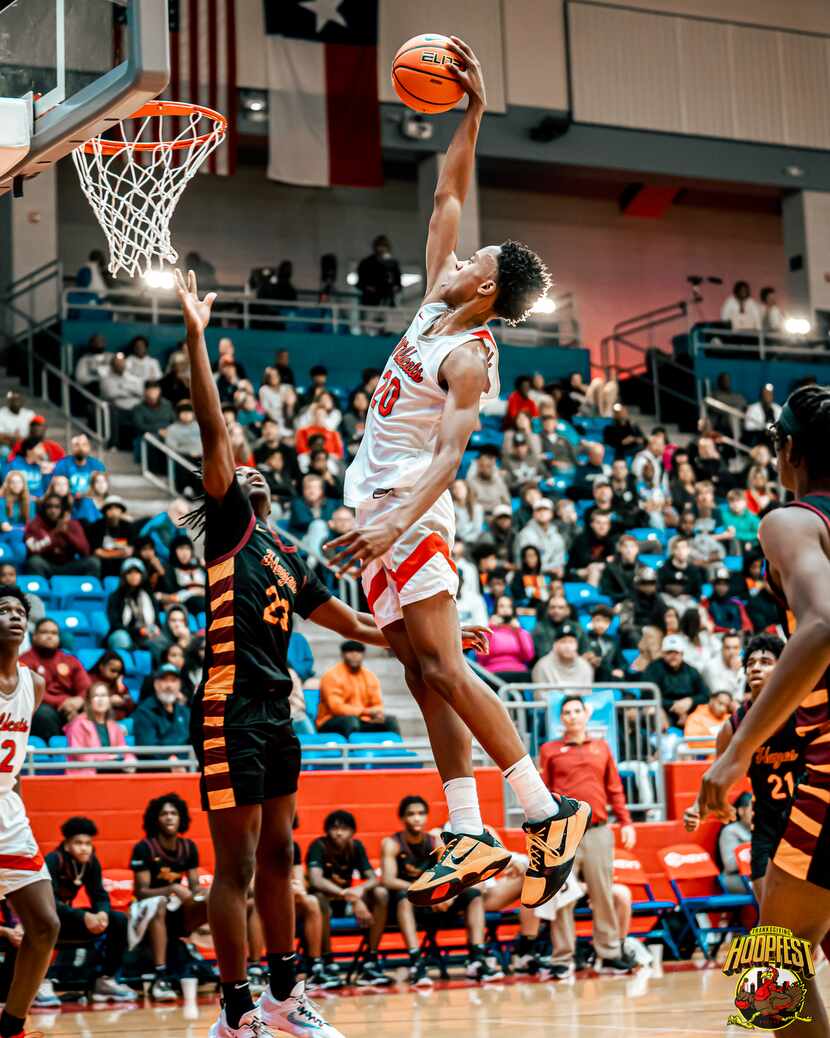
(772, 964)
(775, 758)
(270, 560)
(9, 724)
(405, 356)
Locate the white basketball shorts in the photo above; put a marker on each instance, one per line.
(417, 566)
(21, 862)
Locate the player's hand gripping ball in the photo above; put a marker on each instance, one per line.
(424, 74)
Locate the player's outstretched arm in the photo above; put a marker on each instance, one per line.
(217, 462)
(792, 543)
(457, 171)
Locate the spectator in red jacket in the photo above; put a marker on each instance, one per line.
(57, 543)
(38, 428)
(331, 441)
(520, 401)
(511, 647)
(66, 680)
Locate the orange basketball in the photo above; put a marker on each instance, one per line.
(423, 74)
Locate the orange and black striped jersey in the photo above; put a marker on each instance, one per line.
(255, 585)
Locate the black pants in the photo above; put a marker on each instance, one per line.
(346, 725)
(88, 567)
(110, 945)
(47, 722)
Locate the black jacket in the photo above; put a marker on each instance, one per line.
(677, 684)
(63, 871)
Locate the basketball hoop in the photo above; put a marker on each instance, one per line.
(134, 179)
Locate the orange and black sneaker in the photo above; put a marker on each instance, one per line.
(551, 848)
(465, 861)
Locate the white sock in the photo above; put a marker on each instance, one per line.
(462, 803)
(531, 792)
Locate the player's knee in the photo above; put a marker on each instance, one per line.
(442, 677)
(381, 895)
(311, 907)
(236, 873)
(281, 858)
(42, 931)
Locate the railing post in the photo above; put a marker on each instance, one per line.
(655, 378)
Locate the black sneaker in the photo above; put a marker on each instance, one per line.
(483, 971)
(551, 848)
(418, 975)
(620, 964)
(321, 977)
(557, 970)
(372, 976)
(161, 990)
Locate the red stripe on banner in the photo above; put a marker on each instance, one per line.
(230, 71)
(213, 70)
(431, 545)
(21, 862)
(353, 116)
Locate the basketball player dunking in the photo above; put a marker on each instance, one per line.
(24, 878)
(419, 422)
(796, 543)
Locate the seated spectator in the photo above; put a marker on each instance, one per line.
(78, 466)
(38, 430)
(109, 537)
(175, 383)
(184, 579)
(108, 670)
(329, 470)
(709, 465)
(676, 577)
(741, 310)
(145, 550)
(94, 364)
(760, 415)
(623, 435)
(625, 499)
(472, 609)
(57, 543)
(332, 860)
(317, 426)
(556, 451)
(469, 515)
(164, 527)
(176, 628)
(166, 868)
(591, 549)
(176, 655)
(530, 584)
(350, 697)
(737, 515)
(73, 865)
(566, 521)
(706, 549)
(726, 609)
(66, 681)
(603, 504)
(139, 362)
(272, 394)
(618, 576)
(594, 470)
(725, 672)
(653, 452)
(96, 727)
(404, 857)
(311, 506)
(183, 435)
(520, 402)
(123, 392)
(643, 608)
(511, 647)
(90, 508)
(706, 720)
(499, 532)
(759, 493)
(93, 274)
(544, 536)
(329, 414)
(563, 667)
(16, 503)
(59, 487)
(682, 486)
(486, 481)
(354, 422)
(154, 414)
(772, 317)
(700, 645)
(730, 838)
(649, 647)
(31, 461)
(557, 614)
(37, 610)
(603, 652)
(163, 719)
(521, 463)
(132, 612)
(15, 419)
(681, 686)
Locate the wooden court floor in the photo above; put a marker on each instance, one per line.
(687, 1003)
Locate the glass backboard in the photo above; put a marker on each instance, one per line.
(84, 63)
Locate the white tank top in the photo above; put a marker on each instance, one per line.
(405, 411)
(15, 720)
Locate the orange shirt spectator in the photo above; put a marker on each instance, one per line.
(331, 439)
(707, 720)
(350, 699)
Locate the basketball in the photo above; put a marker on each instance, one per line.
(423, 74)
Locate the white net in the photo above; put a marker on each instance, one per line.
(134, 183)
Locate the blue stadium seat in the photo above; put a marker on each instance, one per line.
(379, 759)
(528, 623)
(127, 724)
(321, 746)
(89, 657)
(558, 484)
(58, 742)
(99, 622)
(648, 533)
(654, 561)
(77, 592)
(375, 737)
(312, 703)
(77, 625)
(734, 563)
(629, 655)
(110, 584)
(600, 705)
(584, 595)
(142, 662)
(36, 586)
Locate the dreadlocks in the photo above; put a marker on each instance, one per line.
(196, 518)
(810, 432)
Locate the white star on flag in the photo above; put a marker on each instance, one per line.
(325, 11)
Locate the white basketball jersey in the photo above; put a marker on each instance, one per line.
(405, 411)
(15, 720)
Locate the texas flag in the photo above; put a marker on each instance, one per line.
(323, 92)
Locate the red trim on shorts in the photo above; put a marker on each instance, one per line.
(21, 863)
(434, 544)
(376, 588)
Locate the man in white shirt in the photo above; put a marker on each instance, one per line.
(725, 673)
(563, 666)
(763, 412)
(95, 362)
(654, 453)
(140, 363)
(772, 319)
(121, 389)
(15, 419)
(545, 537)
(741, 310)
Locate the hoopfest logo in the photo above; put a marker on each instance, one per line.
(772, 964)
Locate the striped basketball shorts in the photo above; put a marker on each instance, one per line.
(21, 862)
(417, 566)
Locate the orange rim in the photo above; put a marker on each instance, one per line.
(159, 109)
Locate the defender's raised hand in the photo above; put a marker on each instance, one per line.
(196, 311)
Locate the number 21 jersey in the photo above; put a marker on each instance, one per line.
(405, 411)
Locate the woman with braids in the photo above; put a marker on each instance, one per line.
(796, 542)
(240, 721)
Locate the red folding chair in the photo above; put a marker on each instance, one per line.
(696, 883)
(120, 885)
(628, 869)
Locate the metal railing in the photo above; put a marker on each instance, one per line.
(736, 419)
(101, 431)
(27, 284)
(755, 345)
(640, 752)
(238, 309)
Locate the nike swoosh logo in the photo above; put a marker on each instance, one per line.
(457, 861)
(560, 850)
